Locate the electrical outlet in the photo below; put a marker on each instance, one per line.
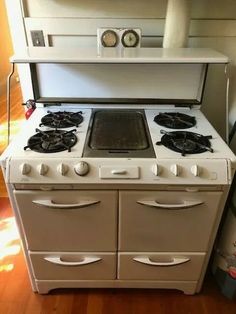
(37, 38)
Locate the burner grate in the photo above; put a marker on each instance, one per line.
(62, 119)
(175, 120)
(185, 142)
(52, 141)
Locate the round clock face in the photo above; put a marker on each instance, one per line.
(109, 39)
(130, 38)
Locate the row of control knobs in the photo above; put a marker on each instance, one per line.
(175, 170)
(82, 168)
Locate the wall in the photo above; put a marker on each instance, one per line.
(5, 48)
(74, 23)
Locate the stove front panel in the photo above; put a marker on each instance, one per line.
(119, 171)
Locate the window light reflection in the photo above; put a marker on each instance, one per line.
(9, 243)
(15, 126)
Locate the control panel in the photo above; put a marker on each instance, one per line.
(141, 171)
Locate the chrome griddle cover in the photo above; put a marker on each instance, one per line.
(118, 133)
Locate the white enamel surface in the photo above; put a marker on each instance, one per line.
(168, 167)
(28, 129)
(203, 127)
(132, 81)
(112, 55)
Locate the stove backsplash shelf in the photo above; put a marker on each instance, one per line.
(113, 55)
(140, 76)
(111, 83)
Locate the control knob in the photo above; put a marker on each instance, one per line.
(175, 170)
(25, 168)
(156, 170)
(195, 170)
(82, 168)
(42, 169)
(62, 169)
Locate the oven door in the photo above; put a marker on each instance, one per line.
(167, 221)
(69, 220)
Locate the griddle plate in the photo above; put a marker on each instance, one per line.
(118, 130)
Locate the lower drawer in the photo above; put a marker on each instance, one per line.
(160, 266)
(73, 266)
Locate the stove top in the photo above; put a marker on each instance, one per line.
(175, 120)
(52, 141)
(178, 165)
(62, 119)
(31, 136)
(185, 142)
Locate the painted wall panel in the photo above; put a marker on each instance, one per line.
(203, 9)
(98, 8)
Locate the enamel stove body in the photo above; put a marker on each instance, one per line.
(118, 180)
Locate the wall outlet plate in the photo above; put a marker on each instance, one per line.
(37, 38)
(109, 37)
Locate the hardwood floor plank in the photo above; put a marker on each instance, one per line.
(80, 301)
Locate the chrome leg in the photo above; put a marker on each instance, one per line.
(9, 101)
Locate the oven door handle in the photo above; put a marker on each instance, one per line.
(174, 261)
(184, 204)
(51, 204)
(57, 260)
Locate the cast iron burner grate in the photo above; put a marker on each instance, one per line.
(175, 120)
(186, 142)
(62, 119)
(52, 141)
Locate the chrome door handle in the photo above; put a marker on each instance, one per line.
(57, 260)
(185, 204)
(120, 171)
(51, 204)
(175, 261)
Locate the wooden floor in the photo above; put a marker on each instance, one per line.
(16, 296)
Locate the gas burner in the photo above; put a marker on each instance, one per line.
(185, 142)
(175, 120)
(52, 141)
(62, 119)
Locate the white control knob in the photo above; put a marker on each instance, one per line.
(156, 170)
(195, 170)
(62, 169)
(42, 169)
(82, 168)
(25, 168)
(175, 170)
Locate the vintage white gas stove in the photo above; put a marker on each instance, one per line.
(120, 191)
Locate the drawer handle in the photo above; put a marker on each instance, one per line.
(173, 262)
(185, 204)
(57, 260)
(51, 204)
(120, 171)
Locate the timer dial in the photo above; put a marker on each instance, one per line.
(82, 168)
(130, 38)
(109, 39)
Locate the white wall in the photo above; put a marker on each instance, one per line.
(74, 23)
